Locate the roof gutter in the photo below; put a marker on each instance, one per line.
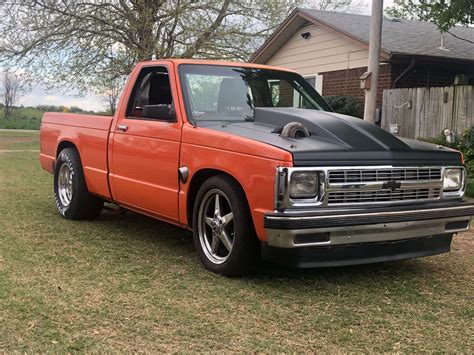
(405, 72)
(431, 58)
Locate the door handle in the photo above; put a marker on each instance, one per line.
(122, 127)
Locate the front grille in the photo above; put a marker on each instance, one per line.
(415, 184)
(377, 196)
(386, 174)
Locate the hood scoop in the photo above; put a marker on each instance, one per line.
(345, 131)
(294, 130)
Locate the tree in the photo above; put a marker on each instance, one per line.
(445, 14)
(113, 96)
(74, 44)
(10, 91)
(336, 5)
(110, 89)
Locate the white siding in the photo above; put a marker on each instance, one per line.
(326, 50)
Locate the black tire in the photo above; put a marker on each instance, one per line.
(82, 205)
(244, 251)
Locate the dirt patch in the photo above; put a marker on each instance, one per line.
(464, 243)
(18, 139)
(21, 141)
(17, 150)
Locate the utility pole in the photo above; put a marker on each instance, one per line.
(374, 59)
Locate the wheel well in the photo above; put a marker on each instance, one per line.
(198, 179)
(64, 145)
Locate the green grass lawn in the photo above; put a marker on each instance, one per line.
(23, 118)
(129, 283)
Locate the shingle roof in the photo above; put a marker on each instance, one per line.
(402, 36)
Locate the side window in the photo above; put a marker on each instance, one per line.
(284, 94)
(275, 91)
(151, 94)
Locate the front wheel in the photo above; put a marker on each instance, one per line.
(223, 230)
(73, 200)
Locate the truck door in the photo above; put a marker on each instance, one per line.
(144, 149)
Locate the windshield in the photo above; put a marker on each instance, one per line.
(222, 93)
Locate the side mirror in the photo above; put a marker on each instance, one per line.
(159, 112)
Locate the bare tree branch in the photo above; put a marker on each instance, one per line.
(11, 87)
(204, 37)
(461, 38)
(75, 44)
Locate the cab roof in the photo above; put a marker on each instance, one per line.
(178, 61)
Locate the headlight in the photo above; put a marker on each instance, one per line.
(304, 184)
(452, 180)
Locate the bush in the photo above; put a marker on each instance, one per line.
(346, 105)
(464, 143)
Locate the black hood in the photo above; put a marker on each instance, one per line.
(337, 140)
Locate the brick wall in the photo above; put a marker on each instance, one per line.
(347, 83)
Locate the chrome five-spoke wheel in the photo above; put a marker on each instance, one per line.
(223, 230)
(73, 199)
(216, 226)
(65, 184)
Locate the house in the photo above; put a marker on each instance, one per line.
(330, 49)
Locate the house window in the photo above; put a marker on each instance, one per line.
(316, 81)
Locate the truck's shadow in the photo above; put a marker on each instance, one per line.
(169, 238)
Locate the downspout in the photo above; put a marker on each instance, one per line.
(410, 67)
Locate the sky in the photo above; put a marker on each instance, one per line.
(386, 3)
(38, 96)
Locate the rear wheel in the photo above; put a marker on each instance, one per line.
(224, 235)
(73, 200)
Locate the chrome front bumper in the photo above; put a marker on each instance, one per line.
(345, 227)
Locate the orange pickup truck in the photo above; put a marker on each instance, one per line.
(256, 164)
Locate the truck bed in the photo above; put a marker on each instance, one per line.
(101, 123)
(89, 134)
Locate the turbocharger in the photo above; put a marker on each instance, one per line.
(294, 130)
